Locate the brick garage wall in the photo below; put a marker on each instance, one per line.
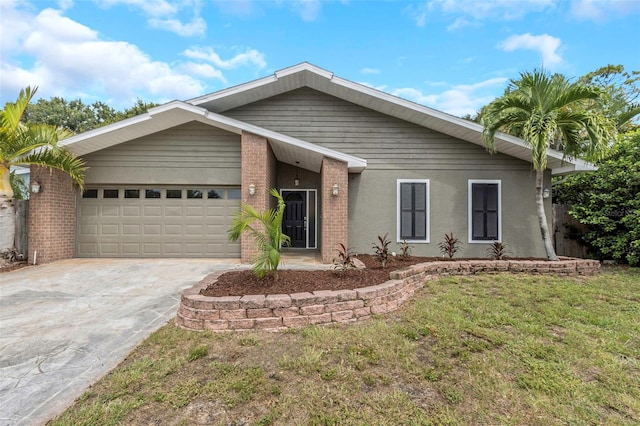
(334, 208)
(52, 216)
(281, 311)
(258, 168)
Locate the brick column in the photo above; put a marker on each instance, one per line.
(334, 208)
(52, 216)
(258, 168)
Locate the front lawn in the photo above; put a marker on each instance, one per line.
(487, 349)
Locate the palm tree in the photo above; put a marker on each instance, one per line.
(268, 234)
(24, 145)
(548, 110)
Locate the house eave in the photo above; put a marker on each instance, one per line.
(286, 148)
(309, 75)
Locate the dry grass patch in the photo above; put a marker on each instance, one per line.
(489, 349)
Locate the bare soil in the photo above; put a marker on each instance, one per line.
(239, 283)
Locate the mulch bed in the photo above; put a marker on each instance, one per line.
(240, 283)
(6, 266)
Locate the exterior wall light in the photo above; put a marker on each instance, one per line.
(252, 189)
(334, 190)
(35, 187)
(546, 192)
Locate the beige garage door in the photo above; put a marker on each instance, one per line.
(156, 222)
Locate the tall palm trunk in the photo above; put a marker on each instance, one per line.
(7, 211)
(542, 217)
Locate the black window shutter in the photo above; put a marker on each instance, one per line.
(413, 211)
(484, 211)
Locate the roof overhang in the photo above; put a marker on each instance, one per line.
(286, 148)
(308, 75)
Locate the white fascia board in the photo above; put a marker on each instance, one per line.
(577, 167)
(104, 130)
(354, 164)
(232, 90)
(304, 66)
(439, 115)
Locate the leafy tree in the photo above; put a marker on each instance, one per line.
(548, 110)
(74, 116)
(622, 94)
(18, 186)
(140, 107)
(23, 145)
(608, 201)
(268, 234)
(77, 116)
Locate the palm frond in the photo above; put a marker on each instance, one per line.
(56, 159)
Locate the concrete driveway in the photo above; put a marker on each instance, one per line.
(65, 324)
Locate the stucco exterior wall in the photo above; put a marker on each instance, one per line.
(373, 210)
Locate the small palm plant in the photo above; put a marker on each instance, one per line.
(268, 234)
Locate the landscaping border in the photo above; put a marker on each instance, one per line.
(281, 311)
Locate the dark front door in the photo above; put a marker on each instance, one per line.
(294, 223)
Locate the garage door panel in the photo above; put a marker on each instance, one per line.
(152, 249)
(194, 230)
(110, 229)
(131, 211)
(109, 249)
(193, 249)
(175, 211)
(91, 249)
(109, 211)
(152, 230)
(152, 211)
(173, 229)
(130, 230)
(89, 210)
(90, 230)
(132, 249)
(159, 227)
(173, 249)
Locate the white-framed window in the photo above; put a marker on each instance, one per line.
(485, 211)
(413, 210)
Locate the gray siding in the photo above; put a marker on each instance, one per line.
(385, 142)
(193, 153)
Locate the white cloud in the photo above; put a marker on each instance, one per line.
(309, 10)
(458, 100)
(204, 70)
(603, 10)
(418, 13)
(153, 8)
(545, 44)
(368, 71)
(196, 27)
(467, 13)
(69, 60)
(249, 57)
(164, 15)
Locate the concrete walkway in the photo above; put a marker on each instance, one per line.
(65, 324)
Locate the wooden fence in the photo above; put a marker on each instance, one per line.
(563, 225)
(22, 226)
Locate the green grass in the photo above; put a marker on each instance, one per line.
(490, 349)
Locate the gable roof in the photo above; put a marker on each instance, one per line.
(308, 75)
(286, 148)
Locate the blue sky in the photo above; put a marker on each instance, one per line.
(452, 55)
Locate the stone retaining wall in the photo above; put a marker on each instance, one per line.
(280, 311)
